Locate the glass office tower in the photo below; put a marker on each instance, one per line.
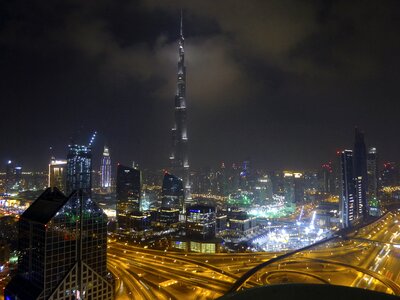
(63, 250)
(79, 169)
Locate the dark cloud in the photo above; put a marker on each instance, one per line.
(280, 81)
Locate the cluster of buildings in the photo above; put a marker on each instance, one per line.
(62, 237)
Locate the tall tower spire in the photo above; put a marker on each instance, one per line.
(181, 23)
(179, 160)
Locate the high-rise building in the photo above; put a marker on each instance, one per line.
(360, 174)
(372, 192)
(79, 168)
(200, 222)
(288, 187)
(18, 178)
(105, 170)
(299, 184)
(13, 177)
(327, 179)
(172, 200)
(263, 190)
(10, 178)
(58, 174)
(348, 205)
(179, 159)
(128, 189)
(172, 192)
(63, 250)
(390, 174)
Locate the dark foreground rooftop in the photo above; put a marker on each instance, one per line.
(307, 291)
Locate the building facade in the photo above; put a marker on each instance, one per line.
(200, 222)
(58, 174)
(79, 168)
(128, 195)
(63, 246)
(105, 170)
(360, 174)
(372, 192)
(179, 159)
(348, 204)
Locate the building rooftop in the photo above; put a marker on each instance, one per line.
(46, 206)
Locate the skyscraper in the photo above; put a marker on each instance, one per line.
(360, 174)
(13, 177)
(79, 168)
(390, 174)
(58, 174)
(173, 200)
(348, 205)
(179, 160)
(327, 178)
(372, 192)
(128, 189)
(63, 250)
(105, 170)
(200, 222)
(288, 186)
(172, 192)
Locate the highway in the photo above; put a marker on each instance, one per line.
(367, 258)
(153, 274)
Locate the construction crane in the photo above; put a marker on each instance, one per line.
(92, 139)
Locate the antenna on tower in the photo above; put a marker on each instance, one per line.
(181, 22)
(92, 139)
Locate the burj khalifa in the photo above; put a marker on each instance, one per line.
(179, 160)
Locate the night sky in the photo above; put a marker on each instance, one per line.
(279, 82)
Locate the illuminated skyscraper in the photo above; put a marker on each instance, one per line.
(62, 243)
(58, 174)
(105, 170)
(128, 189)
(179, 160)
(13, 177)
(79, 168)
(360, 174)
(288, 185)
(372, 193)
(347, 197)
(200, 222)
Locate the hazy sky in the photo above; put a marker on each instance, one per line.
(280, 82)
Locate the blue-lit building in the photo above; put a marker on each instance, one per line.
(63, 250)
(200, 222)
(79, 168)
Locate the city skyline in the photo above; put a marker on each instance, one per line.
(199, 149)
(259, 85)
